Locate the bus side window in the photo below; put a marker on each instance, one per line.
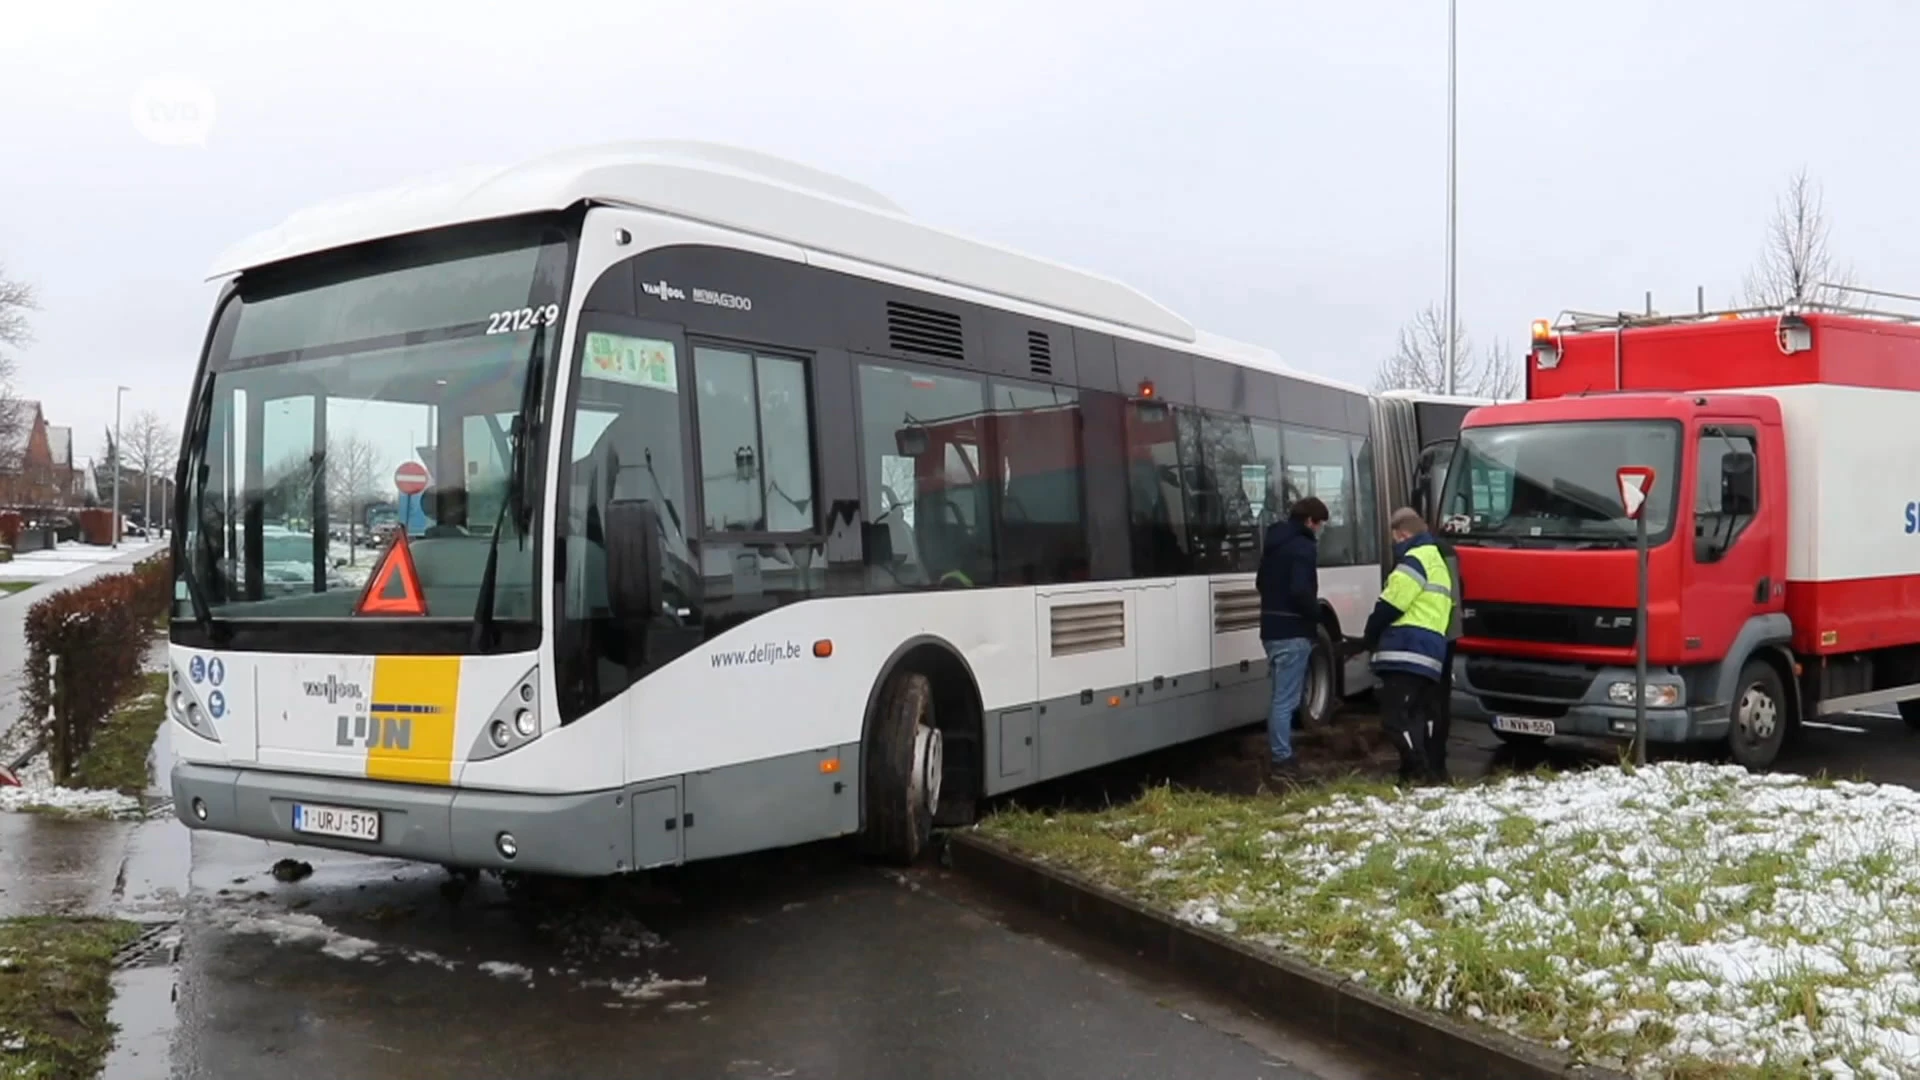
(1042, 537)
(1322, 466)
(1366, 518)
(756, 442)
(923, 464)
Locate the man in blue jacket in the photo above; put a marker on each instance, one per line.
(1408, 635)
(1289, 584)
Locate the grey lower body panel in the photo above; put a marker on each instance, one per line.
(1027, 744)
(1577, 699)
(774, 802)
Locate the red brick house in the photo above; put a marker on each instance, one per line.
(36, 465)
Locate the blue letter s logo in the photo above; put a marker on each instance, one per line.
(1913, 517)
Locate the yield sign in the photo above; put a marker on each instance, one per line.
(394, 587)
(1636, 483)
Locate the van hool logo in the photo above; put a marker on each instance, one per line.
(663, 292)
(334, 690)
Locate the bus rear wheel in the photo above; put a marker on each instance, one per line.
(1320, 690)
(903, 764)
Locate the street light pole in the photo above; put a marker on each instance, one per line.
(115, 457)
(1452, 214)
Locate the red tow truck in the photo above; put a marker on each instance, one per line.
(1783, 528)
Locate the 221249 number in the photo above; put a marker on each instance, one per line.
(526, 318)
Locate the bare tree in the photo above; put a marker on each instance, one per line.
(351, 463)
(150, 446)
(1419, 362)
(16, 300)
(1796, 266)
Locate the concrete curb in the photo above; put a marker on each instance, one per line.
(1277, 984)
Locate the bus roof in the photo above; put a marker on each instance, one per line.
(750, 192)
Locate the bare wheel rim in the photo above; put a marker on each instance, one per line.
(928, 751)
(1319, 684)
(1759, 716)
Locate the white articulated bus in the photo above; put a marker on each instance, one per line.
(731, 508)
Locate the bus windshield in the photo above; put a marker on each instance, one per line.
(1555, 483)
(337, 408)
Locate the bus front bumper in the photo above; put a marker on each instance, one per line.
(577, 835)
(1520, 697)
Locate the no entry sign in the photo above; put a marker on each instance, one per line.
(411, 478)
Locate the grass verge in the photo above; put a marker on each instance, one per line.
(117, 760)
(8, 588)
(55, 987)
(1690, 921)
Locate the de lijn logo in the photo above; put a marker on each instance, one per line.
(1913, 517)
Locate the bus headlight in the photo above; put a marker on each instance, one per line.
(515, 721)
(186, 710)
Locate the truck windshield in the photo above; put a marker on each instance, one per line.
(1556, 482)
(384, 391)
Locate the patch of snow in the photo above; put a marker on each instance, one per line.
(11, 1043)
(652, 987)
(501, 970)
(36, 793)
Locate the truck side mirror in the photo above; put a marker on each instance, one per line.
(1739, 488)
(911, 441)
(634, 570)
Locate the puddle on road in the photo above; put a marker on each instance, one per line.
(143, 1009)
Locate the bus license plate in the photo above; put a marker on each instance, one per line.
(1522, 725)
(336, 821)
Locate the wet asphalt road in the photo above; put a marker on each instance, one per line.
(807, 963)
(801, 964)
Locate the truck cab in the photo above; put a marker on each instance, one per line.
(1548, 557)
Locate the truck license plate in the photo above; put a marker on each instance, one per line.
(1523, 725)
(336, 821)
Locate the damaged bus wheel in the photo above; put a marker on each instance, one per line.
(903, 762)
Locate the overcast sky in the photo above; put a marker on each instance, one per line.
(1273, 170)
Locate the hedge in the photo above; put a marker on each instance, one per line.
(100, 631)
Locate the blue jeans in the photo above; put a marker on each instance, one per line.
(1287, 661)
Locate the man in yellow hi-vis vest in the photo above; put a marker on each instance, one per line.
(1408, 637)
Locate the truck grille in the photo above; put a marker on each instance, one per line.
(1495, 677)
(1551, 625)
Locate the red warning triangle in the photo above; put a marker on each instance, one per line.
(394, 587)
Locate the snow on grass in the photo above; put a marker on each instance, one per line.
(1689, 920)
(42, 796)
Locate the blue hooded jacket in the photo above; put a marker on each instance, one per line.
(1289, 583)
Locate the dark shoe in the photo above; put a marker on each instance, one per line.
(1285, 773)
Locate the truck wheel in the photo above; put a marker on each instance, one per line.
(903, 763)
(1320, 693)
(1759, 716)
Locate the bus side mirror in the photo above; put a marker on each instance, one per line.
(1739, 488)
(634, 570)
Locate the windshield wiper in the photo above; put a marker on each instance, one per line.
(516, 496)
(183, 495)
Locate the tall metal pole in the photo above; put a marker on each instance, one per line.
(1640, 644)
(1452, 215)
(115, 456)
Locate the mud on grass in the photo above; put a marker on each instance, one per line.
(55, 988)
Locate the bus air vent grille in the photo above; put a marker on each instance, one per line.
(1040, 352)
(923, 331)
(1092, 627)
(1236, 609)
